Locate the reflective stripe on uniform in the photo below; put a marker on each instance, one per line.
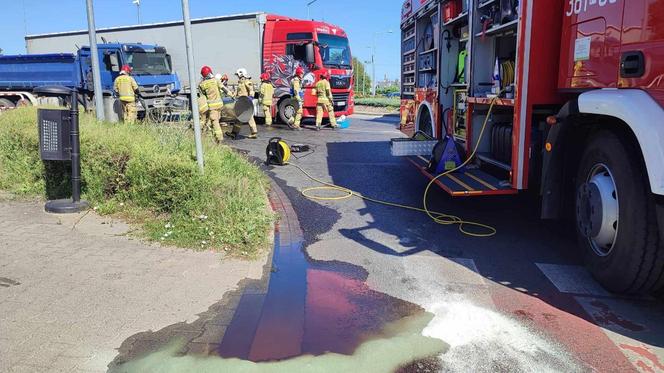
(211, 90)
(125, 86)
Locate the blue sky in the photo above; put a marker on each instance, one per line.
(360, 19)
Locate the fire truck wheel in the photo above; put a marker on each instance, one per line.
(6, 104)
(424, 123)
(286, 110)
(615, 217)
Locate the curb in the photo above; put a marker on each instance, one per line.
(287, 228)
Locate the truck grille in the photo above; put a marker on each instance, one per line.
(153, 91)
(340, 82)
(340, 98)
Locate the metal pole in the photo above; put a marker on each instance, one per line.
(373, 66)
(364, 73)
(373, 73)
(192, 83)
(138, 12)
(309, 9)
(99, 95)
(75, 149)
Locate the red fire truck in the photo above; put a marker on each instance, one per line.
(577, 88)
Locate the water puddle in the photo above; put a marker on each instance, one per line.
(313, 316)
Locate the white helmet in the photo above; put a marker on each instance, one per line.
(217, 76)
(242, 73)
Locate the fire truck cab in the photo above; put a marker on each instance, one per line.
(560, 96)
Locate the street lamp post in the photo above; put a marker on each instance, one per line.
(309, 8)
(192, 83)
(138, 10)
(373, 61)
(96, 78)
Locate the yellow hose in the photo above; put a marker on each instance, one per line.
(437, 217)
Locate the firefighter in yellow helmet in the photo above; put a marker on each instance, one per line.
(245, 88)
(209, 88)
(266, 96)
(297, 99)
(125, 86)
(325, 102)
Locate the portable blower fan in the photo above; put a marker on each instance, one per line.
(278, 152)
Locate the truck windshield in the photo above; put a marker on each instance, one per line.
(148, 63)
(334, 51)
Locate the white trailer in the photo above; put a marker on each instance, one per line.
(224, 43)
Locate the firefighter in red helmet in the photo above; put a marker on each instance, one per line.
(125, 87)
(297, 98)
(210, 88)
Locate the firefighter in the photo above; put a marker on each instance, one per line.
(226, 92)
(245, 88)
(209, 88)
(297, 99)
(325, 101)
(265, 97)
(125, 86)
(204, 111)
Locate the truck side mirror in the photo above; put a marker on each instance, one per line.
(115, 62)
(169, 60)
(310, 55)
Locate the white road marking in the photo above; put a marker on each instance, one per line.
(572, 279)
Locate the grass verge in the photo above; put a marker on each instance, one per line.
(148, 175)
(387, 102)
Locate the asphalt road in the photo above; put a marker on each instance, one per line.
(518, 301)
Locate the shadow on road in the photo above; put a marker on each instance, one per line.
(512, 260)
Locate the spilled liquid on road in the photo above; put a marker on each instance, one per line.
(312, 316)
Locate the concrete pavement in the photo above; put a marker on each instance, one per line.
(73, 288)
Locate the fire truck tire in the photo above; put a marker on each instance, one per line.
(616, 218)
(424, 123)
(6, 104)
(286, 110)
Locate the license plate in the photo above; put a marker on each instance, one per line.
(341, 103)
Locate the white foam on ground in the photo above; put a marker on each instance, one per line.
(483, 340)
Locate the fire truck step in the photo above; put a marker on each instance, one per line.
(472, 182)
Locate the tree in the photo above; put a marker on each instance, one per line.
(361, 78)
(388, 89)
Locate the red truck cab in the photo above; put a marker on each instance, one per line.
(317, 47)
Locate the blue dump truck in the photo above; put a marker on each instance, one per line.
(158, 85)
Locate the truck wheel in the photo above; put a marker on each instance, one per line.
(286, 110)
(424, 123)
(6, 104)
(23, 103)
(615, 217)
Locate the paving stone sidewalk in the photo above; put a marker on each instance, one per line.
(73, 288)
